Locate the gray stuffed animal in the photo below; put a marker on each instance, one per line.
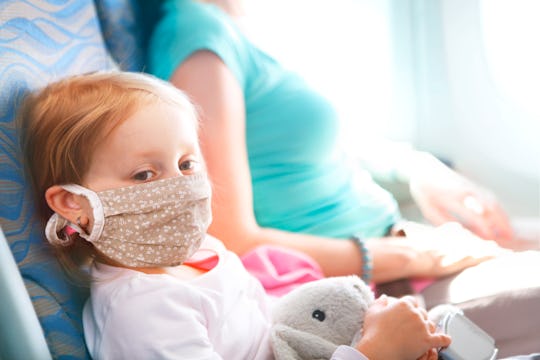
(311, 321)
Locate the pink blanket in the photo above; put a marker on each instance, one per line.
(280, 269)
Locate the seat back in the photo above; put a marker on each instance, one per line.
(42, 41)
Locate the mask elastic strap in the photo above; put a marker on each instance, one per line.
(57, 223)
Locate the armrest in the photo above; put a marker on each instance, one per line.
(21, 335)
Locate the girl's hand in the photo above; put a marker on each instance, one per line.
(398, 329)
(431, 354)
(444, 195)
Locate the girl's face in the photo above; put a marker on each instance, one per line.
(158, 141)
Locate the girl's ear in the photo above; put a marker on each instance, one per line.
(65, 204)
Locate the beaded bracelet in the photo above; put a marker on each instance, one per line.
(366, 259)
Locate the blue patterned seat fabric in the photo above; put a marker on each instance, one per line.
(126, 27)
(42, 41)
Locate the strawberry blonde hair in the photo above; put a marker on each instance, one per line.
(64, 122)
(61, 125)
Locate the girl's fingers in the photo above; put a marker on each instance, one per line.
(439, 340)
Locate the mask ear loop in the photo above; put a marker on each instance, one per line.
(56, 223)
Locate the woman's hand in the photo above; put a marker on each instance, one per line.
(398, 329)
(428, 251)
(444, 195)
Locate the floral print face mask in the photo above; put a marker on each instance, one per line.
(155, 224)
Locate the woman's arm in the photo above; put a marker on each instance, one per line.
(441, 193)
(220, 99)
(444, 195)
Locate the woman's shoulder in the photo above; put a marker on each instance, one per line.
(188, 26)
(187, 18)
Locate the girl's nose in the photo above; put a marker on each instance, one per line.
(174, 171)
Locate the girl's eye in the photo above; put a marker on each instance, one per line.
(188, 166)
(143, 175)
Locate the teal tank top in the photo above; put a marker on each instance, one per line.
(302, 182)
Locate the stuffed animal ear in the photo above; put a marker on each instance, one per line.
(292, 344)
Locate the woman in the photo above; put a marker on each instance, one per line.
(278, 174)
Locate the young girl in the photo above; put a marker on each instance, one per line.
(116, 166)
